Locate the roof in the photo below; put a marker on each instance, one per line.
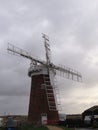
(92, 109)
(74, 116)
(10, 122)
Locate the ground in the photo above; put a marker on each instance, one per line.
(54, 128)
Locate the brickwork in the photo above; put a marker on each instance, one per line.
(38, 101)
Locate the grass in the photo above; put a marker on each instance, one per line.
(32, 128)
(42, 128)
(29, 127)
(65, 128)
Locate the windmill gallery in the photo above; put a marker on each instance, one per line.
(43, 105)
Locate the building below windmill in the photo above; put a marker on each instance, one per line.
(90, 116)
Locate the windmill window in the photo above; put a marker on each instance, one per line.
(43, 114)
(43, 86)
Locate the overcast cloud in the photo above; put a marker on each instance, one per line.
(72, 26)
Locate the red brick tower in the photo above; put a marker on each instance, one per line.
(42, 100)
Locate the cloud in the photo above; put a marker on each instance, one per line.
(72, 27)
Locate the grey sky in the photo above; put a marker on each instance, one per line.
(72, 26)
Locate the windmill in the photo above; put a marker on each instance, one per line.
(43, 100)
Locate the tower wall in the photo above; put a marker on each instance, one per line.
(38, 100)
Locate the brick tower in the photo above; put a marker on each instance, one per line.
(42, 100)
